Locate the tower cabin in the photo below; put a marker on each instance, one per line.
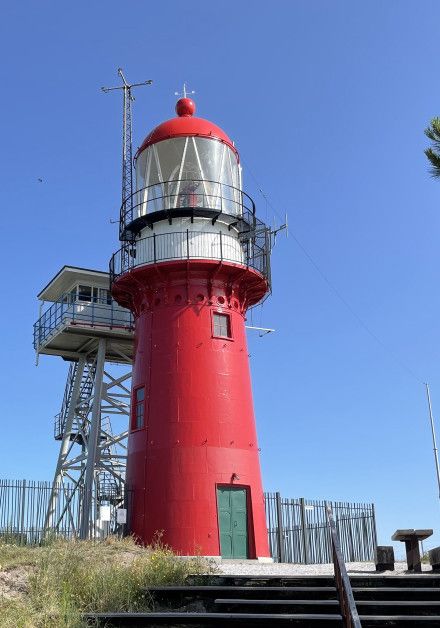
(77, 310)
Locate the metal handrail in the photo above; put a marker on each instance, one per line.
(98, 313)
(176, 245)
(133, 208)
(350, 616)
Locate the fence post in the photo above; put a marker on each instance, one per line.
(373, 513)
(23, 506)
(304, 530)
(221, 257)
(280, 530)
(187, 243)
(154, 246)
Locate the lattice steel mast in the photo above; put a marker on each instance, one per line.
(86, 479)
(127, 144)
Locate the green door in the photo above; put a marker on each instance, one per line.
(232, 515)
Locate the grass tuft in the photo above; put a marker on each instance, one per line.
(68, 578)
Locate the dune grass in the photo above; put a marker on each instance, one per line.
(68, 578)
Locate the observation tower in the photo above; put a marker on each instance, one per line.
(80, 323)
(194, 258)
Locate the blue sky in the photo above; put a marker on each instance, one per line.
(327, 102)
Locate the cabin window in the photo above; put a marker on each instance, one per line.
(90, 294)
(84, 293)
(221, 325)
(104, 296)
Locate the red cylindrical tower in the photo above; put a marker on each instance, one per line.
(194, 258)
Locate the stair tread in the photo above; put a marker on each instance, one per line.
(219, 587)
(324, 602)
(275, 602)
(415, 580)
(413, 618)
(179, 615)
(172, 615)
(392, 589)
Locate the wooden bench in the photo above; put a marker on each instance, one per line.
(411, 539)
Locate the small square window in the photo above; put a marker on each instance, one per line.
(138, 408)
(222, 325)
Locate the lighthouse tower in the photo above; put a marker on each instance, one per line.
(194, 258)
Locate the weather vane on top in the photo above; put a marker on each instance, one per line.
(184, 93)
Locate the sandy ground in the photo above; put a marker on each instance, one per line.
(14, 582)
(248, 568)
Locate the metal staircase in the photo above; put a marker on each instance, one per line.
(110, 487)
(86, 388)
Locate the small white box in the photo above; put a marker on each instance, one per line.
(121, 515)
(104, 513)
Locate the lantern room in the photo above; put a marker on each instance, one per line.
(185, 162)
(188, 160)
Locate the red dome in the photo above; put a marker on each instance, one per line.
(185, 125)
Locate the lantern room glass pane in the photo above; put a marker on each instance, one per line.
(163, 168)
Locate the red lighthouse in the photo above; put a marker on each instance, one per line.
(194, 258)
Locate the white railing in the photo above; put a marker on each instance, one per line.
(182, 245)
(92, 313)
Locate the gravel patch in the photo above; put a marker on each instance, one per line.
(253, 568)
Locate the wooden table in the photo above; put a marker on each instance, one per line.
(411, 539)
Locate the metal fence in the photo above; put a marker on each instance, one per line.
(23, 508)
(298, 530)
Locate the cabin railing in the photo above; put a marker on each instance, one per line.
(350, 616)
(90, 313)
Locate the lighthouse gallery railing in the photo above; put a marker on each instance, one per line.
(251, 250)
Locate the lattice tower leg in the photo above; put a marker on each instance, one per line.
(87, 511)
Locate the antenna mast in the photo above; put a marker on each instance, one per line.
(127, 146)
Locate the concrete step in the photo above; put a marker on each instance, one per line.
(205, 620)
(425, 594)
(357, 580)
(366, 607)
(178, 595)
(248, 620)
